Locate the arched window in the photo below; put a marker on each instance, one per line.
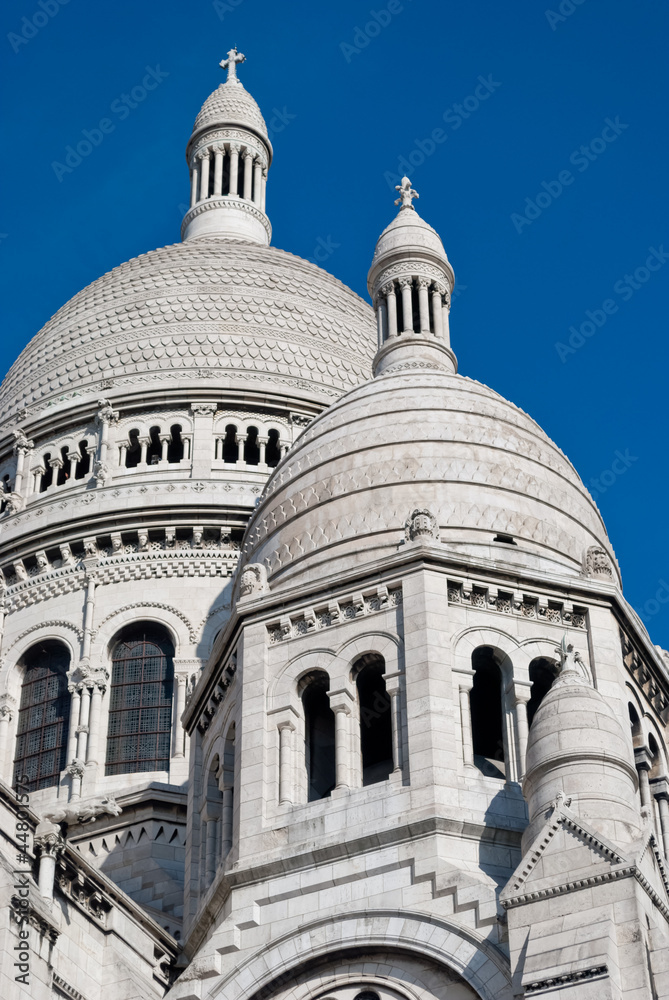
(175, 449)
(542, 674)
(47, 478)
(230, 446)
(272, 449)
(83, 466)
(140, 701)
(376, 730)
(212, 808)
(485, 701)
(228, 786)
(154, 450)
(44, 716)
(134, 452)
(319, 736)
(635, 726)
(251, 449)
(63, 472)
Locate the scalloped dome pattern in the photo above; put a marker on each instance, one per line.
(409, 439)
(226, 311)
(230, 104)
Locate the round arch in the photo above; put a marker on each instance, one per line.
(178, 627)
(448, 944)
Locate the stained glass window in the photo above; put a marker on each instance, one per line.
(44, 716)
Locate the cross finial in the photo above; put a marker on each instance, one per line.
(230, 63)
(407, 193)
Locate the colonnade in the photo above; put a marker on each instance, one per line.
(396, 312)
(228, 168)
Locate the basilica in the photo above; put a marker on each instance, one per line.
(317, 680)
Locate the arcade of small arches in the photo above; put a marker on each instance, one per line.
(64, 723)
(650, 758)
(228, 169)
(413, 304)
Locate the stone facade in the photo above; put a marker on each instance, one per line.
(413, 738)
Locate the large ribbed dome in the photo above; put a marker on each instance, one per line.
(211, 312)
(420, 438)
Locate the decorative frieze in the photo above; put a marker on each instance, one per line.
(646, 675)
(521, 606)
(218, 694)
(334, 613)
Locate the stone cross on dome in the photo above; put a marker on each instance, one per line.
(230, 64)
(407, 193)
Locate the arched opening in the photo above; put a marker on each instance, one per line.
(251, 448)
(134, 450)
(175, 449)
(635, 726)
(44, 716)
(230, 446)
(47, 478)
(140, 700)
(485, 701)
(83, 466)
(542, 674)
(376, 730)
(155, 449)
(212, 808)
(63, 473)
(228, 791)
(272, 449)
(415, 307)
(319, 736)
(656, 769)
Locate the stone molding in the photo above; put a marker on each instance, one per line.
(228, 203)
(597, 972)
(336, 612)
(487, 598)
(646, 675)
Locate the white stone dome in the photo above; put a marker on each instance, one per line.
(230, 104)
(208, 314)
(420, 437)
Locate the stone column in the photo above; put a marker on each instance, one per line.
(257, 182)
(7, 707)
(94, 735)
(76, 769)
(219, 153)
(83, 727)
(464, 686)
(396, 722)
(644, 761)
(286, 730)
(240, 440)
(445, 324)
(436, 313)
(248, 173)
(193, 185)
(75, 709)
(38, 471)
(123, 453)
(165, 440)
(263, 189)
(424, 305)
(73, 457)
(262, 445)
(407, 310)
(211, 843)
(179, 705)
(234, 169)
(660, 790)
(342, 716)
(89, 611)
(381, 321)
(23, 450)
(203, 435)
(521, 696)
(49, 842)
(204, 174)
(388, 291)
(56, 464)
(144, 444)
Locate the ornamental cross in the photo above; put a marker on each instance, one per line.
(230, 63)
(407, 193)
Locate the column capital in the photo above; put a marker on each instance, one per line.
(48, 839)
(286, 724)
(660, 788)
(643, 759)
(405, 282)
(424, 282)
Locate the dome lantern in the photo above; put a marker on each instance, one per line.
(410, 282)
(229, 154)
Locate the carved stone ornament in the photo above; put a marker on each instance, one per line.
(82, 812)
(67, 559)
(76, 768)
(14, 502)
(21, 442)
(102, 473)
(421, 525)
(253, 580)
(48, 838)
(572, 666)
(597, 563)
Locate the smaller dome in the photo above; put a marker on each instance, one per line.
(577, 746)
(230, 104)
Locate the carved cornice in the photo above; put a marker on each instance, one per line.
(597, 972)
(646, 676)
(228, 203)
(334, 613)
(537, 608)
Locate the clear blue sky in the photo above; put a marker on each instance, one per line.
(350, 94)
